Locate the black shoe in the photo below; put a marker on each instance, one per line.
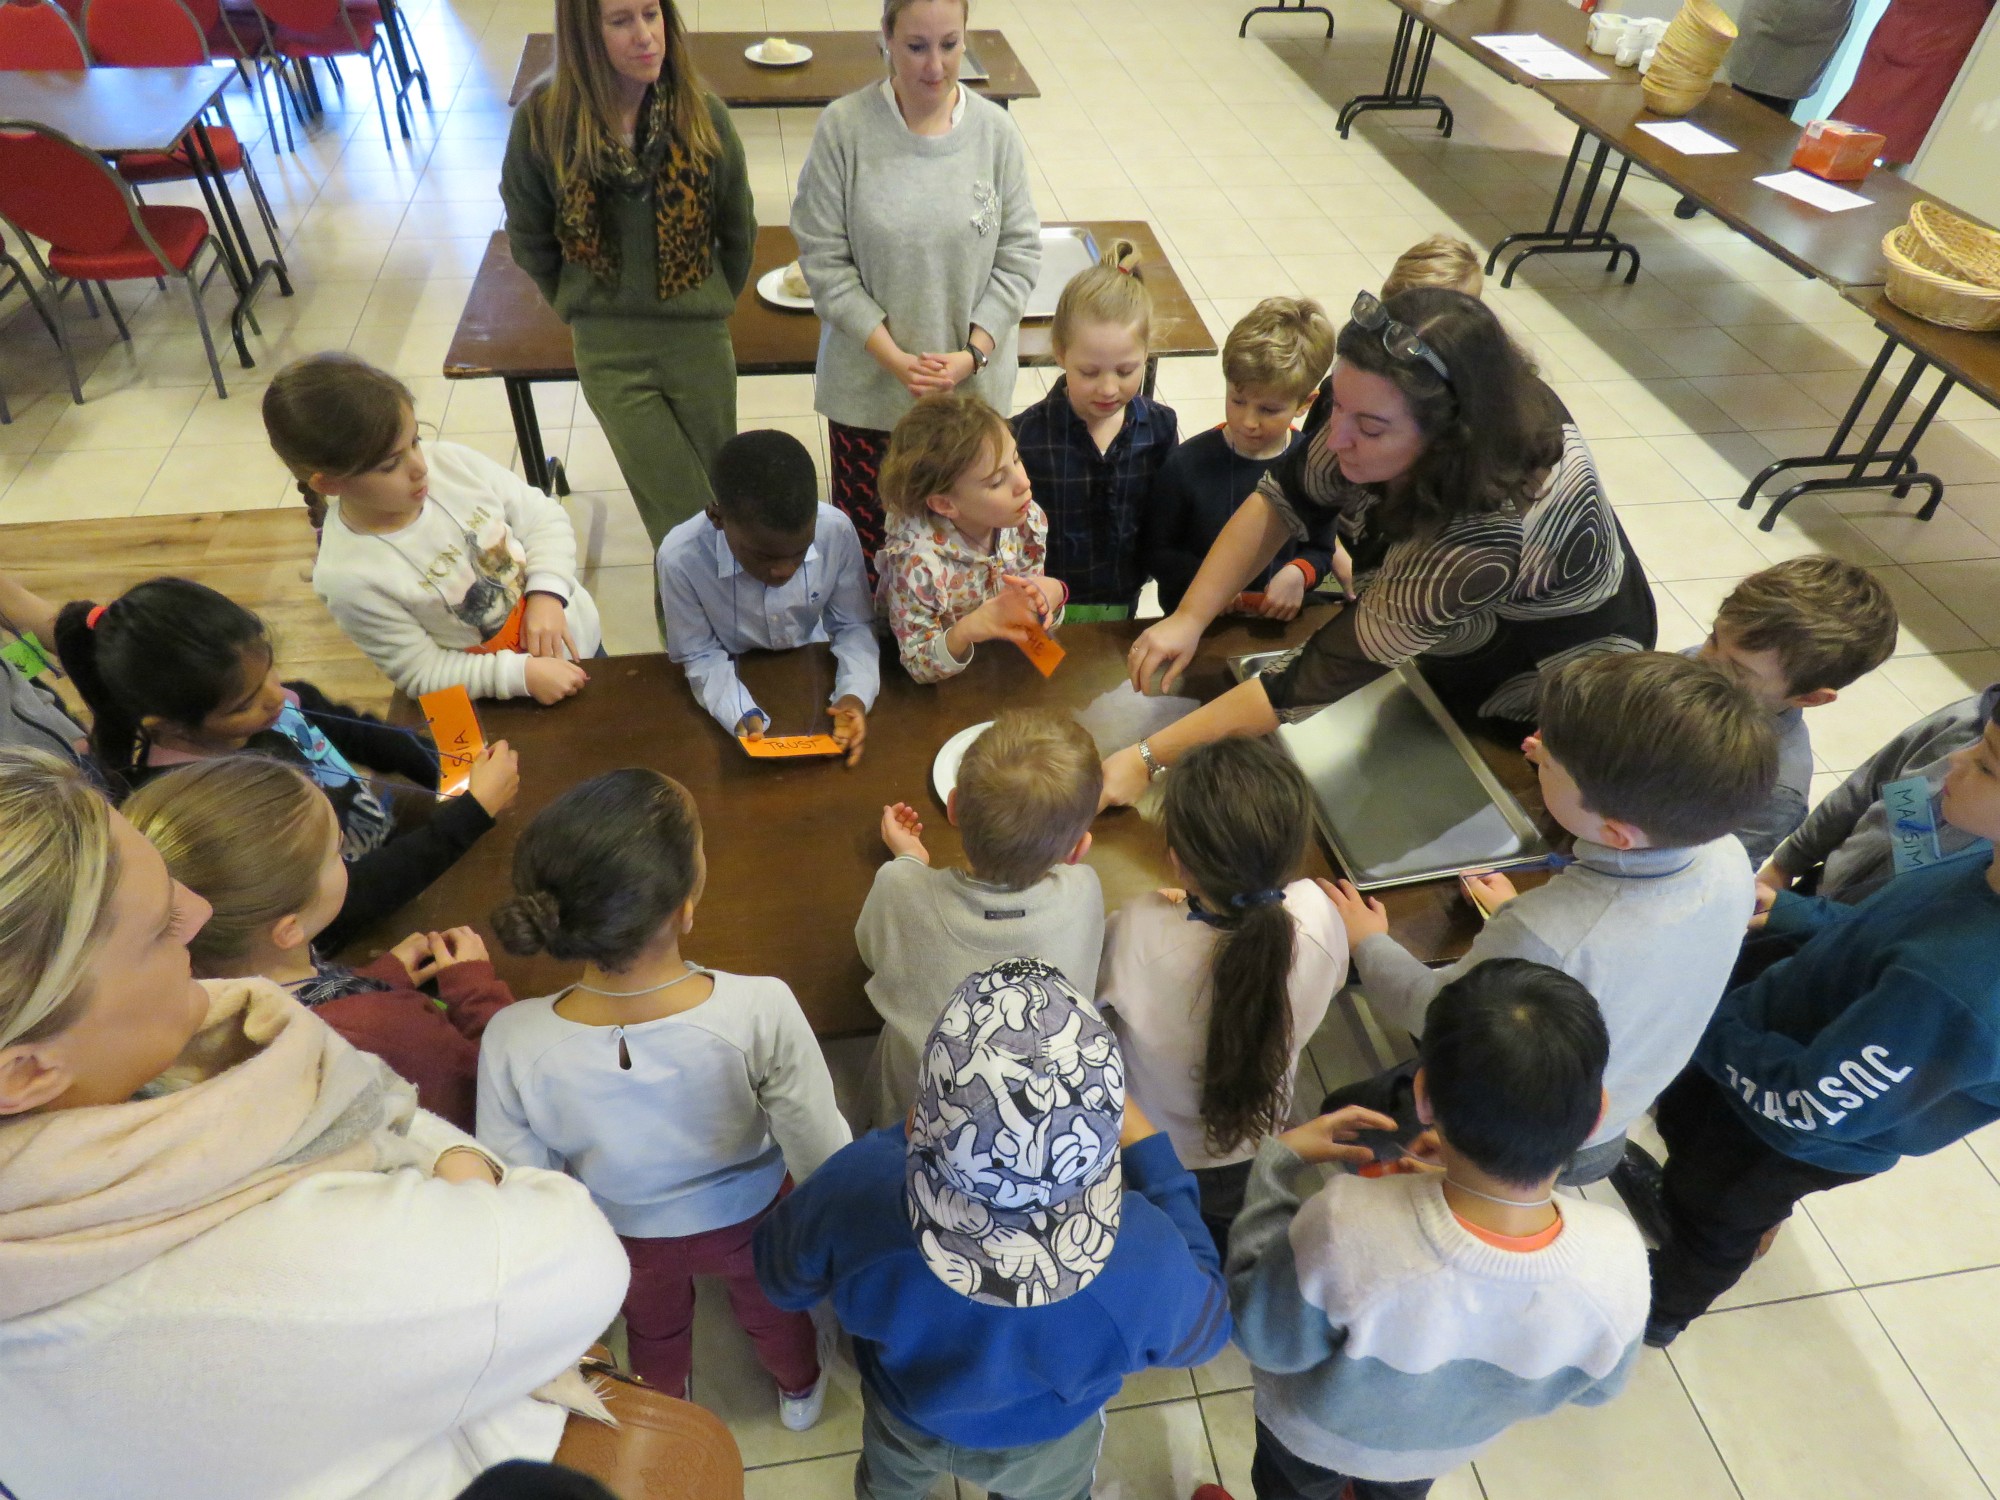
(1687, 208)
(1641, 1184)
(1658, 1334)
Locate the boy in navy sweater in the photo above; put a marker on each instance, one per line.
(1879, 1039)
(1008, 1256)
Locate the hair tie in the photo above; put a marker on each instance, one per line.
(1256, 898)
(1125, 270)
(96, 613)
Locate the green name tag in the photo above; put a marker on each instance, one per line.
(27, 656)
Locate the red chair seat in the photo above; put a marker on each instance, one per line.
(222, 41)
(333, 42)
(179, 231)
(175, 166)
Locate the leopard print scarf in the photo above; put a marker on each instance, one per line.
(680, 182)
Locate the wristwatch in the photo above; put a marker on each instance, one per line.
(1154, 770)
(979, 356)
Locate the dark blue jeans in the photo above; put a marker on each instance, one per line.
(1277, 1473)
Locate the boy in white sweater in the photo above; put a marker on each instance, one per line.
(444, 568)
(1026, 794)
(1651, 761)
(1399, 1324)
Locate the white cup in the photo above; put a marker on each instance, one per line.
(1646, 59)
(1631, 42)
(1605, 30)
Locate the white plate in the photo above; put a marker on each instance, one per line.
(768, 288)
(944, 770)
(755, 52)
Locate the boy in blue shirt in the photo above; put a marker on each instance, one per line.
(1008, 1255)
(1878, 1039)
(767, 567)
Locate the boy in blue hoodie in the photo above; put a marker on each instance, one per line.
(1008, 1256)
(1878, 1039)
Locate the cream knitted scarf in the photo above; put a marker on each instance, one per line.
(263, 1097)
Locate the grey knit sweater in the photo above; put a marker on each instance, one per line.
(931, 233)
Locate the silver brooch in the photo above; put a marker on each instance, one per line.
(986, 207)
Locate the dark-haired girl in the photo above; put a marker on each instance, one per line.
(173, 671)
(1216, 988)
(1481, 540)
(675, 1093)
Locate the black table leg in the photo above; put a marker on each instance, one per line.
(544, 473)
(247, 272)
(1285, 8)
(1575, 239)
(1898, 467)
(1410, 52)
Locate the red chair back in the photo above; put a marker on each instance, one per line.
(39, 37)
(143, 34)
(309, 16)
(52, 188)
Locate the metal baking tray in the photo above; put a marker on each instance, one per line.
(1402, 795)
(1066, 249)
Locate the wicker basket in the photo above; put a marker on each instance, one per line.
(1923, 293)
(1955, 246)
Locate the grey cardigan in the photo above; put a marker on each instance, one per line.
(931, 234)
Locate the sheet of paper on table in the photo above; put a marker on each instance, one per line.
(1538, 57)
(1809, 189)
(1689, 140)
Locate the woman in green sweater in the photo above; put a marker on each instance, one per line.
(629, 204)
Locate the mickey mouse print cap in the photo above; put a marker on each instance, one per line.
(1013, 1181)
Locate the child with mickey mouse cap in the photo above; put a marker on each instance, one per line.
(1005, 1257)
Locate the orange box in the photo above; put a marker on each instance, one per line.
(1837, 151)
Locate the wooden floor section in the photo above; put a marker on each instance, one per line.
(260, 558)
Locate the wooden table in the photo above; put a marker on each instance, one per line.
(793, 846)
(1960, 358)
(114, 110)
(507, 332)
(842, 62)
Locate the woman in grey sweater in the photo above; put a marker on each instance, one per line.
(918, 236)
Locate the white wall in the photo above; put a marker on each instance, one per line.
(1957, 160)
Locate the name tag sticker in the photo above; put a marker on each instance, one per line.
(27, 655)
(1913, 840)
(1040, 648)
(455, 729)
(788, 746)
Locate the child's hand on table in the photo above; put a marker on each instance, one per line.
(550, 679)
(752, 725)
(1362, 916)
(1007, 616)
(545, 628)
(495, 778)
(1285, 594)
(1488, 891)
(903, 831)
(850, 726)
(1330, 1137)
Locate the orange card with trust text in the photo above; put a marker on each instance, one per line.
(1040, 648)
(783, 746)
(455, 728)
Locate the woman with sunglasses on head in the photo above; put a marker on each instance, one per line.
(1480, 540)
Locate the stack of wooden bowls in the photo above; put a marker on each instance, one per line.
(1944, 268)
(1684, 66)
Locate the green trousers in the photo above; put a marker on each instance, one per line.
(664, 391)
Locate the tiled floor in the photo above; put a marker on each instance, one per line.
(1856, 1361)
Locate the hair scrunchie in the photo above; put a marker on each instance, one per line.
(95, 614)
(1256, 898)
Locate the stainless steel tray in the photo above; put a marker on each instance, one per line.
(1066, 249)
(1402, 795)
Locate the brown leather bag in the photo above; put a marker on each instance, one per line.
(662, 1448)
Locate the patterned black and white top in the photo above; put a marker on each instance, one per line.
(1482, 604)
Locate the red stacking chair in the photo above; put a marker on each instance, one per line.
(66, 196)
(40, 38)
(301, 30)
(14, 274)
(165, 34)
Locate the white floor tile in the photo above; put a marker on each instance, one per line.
(1951, 1192)
(1946, 1329)
(1687, 539)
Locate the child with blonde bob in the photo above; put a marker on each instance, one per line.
(967, 548)
(1095, 444)
(444, 568)
(1442, 260)
(258, 842)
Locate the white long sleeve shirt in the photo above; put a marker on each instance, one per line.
(715, 611)
(417, 600)
(361, 1336)
(677, 1126)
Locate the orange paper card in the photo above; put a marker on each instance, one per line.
(777, 747)
(1249, 602)
(455, 728)
(1041, 649)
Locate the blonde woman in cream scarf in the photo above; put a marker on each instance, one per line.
(236, 1261)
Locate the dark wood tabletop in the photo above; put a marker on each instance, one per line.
(1972, 359)
(792, 846)
(507, 330)
(114, 109)
(842, 62)
(1459, 21)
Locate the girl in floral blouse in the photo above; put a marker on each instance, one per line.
(966, 542)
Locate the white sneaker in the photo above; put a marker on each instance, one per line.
(802, 1411)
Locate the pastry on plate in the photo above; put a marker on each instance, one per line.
(793, 282)
(776, 49)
